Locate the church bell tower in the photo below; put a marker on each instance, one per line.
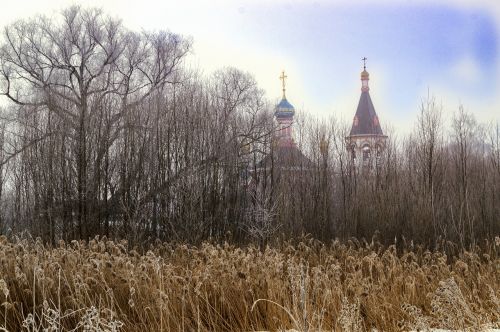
(366, 140)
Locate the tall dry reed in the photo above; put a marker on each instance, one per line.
(107, 286)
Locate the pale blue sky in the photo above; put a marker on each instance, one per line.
(449, 47)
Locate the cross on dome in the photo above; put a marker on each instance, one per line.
(283, 77)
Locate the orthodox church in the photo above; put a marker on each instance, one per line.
(365, 142)
(285, 154)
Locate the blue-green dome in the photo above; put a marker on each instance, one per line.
(284, 109)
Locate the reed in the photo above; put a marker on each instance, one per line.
(106, 285)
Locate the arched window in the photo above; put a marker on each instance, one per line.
(366, 153)
(378, 150)
(353, 151)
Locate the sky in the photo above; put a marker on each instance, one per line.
(449, 49)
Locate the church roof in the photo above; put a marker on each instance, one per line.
(286, 157)
(366, 120)
(284, 109)
(284, 104)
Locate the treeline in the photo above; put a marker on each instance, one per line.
(108, 132)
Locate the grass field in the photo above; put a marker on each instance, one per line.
(108, 286)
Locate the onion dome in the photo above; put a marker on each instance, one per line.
(284, 110)
(365, 75)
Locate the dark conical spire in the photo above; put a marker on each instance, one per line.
(366, 120)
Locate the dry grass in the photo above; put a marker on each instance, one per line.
(106, 286)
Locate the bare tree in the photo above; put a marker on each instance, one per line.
(71, 68)
(465, 141)
(428, 143)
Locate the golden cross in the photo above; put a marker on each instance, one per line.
(364, 62)
(283, 77)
